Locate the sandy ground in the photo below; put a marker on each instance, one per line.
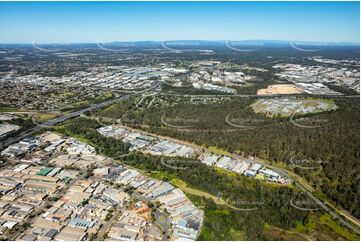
(279, 89)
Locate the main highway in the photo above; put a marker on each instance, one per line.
(335, 213)
(94, 107)
(304, 188)
(65, 117)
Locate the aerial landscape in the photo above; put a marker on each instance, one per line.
(164, 121)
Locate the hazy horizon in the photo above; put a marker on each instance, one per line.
(187, 40)
(104, 22)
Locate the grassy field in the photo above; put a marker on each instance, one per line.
(83, 103)
(222, 222)
(303, 228)
(326, 220)
(184, 187)
(219, 151)
(43, 117)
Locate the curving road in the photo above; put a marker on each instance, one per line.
(320, 203)
(61, 119)
(58, 120)
(263, 96)
(94, 107)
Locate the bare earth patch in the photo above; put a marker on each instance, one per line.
(279, 89)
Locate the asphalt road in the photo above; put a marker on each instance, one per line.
(319, 202)
(42, 208)
(263, 96)
(61, 119)
(285, 173)
(161, 219)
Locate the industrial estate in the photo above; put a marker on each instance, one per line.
(108, 139)
(75, 145)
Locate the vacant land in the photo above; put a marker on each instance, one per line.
(279, 89)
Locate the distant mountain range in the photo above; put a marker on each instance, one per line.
(196, 43)
(230, 42)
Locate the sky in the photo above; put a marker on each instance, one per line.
(103, 22)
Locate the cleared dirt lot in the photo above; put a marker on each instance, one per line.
(279, 89)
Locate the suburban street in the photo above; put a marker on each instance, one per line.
(181, 121)
(290, 175)
(94, 107)
(63, 118)
(161, 219)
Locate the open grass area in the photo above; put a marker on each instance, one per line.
(284, 235)
(203, 184)
(303, 228)
(326, 220)
(219, 151)
(84, 103)
(184, 187)
(13, 109)
(104, 96)
(171, 178)
(65, 94)
(196, 200)
(43, 117)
